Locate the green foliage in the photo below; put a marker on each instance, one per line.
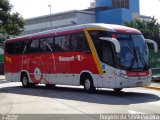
(155, 62)
(15, 25)
(11, 25)
(150, 29)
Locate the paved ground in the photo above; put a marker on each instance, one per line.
(154, 85)
(2, 77)
(14, 99)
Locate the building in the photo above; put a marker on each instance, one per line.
(100, 11)
(58, 20)
(145, 18)
(117, 11)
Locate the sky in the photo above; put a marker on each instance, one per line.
(34, 8)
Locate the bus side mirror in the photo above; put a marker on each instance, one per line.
(154, 44)
(114, 41)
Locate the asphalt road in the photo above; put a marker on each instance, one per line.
(14, 99)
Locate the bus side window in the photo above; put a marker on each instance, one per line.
(32, 46)
(15, 47)
(107, 53)
(65, 43)
(74, 40)
(46, 45)
(57, 45)
(95, 35)
(9, 48)
(62, 43)
(20, 47)
(79, 43)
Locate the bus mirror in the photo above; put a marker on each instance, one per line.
(154, 44)
(114, 41)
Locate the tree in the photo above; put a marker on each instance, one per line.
(150, 29)
(11, 24)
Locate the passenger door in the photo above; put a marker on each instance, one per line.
(108, 63)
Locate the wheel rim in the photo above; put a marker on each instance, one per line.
(25, 81)
(87, 84)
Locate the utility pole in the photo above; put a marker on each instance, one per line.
(50, 6)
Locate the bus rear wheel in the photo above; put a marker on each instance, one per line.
(88, 84)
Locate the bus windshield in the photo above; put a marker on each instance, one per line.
(134, 52)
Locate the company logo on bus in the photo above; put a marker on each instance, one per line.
(72, 58)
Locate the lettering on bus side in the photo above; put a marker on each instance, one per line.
(72, 58)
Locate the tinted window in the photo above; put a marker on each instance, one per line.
(32, 46)
(10, 48)
(79, 42)
(20, 47)
(46, 45)
(62, 43)
(15, 47)
(104, 48)
(107, 53)
(65, 43)
(95, 35)
(57, 45)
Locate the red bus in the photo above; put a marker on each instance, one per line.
(91, 55)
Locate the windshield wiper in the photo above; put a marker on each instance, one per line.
(134, 58)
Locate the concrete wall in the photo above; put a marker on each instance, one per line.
(48, 24)
(85, 18)
(63, 20)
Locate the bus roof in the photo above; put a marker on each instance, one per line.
(107, 27)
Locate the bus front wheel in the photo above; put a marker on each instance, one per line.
(88, 84)
(117, 90)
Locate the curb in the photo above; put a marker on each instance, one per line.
(149, 87)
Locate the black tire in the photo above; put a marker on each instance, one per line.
(88, 84)
(32, 84)
(118, 90)
(25, 81)
(50, 85)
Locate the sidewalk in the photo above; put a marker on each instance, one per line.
(154, 85)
